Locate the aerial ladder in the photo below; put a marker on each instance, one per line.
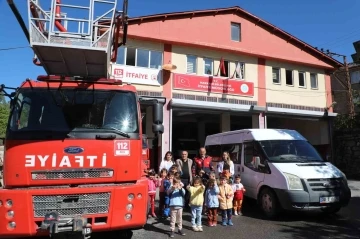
(74, 40)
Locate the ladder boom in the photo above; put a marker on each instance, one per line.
(74, 39)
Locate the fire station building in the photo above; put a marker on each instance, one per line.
(233, 71)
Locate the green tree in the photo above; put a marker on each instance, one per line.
(4, 114)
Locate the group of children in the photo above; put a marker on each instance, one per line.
(205, 195)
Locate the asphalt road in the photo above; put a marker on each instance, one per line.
(345, 224)
(252, 225)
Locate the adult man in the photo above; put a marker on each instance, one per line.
(202, 162)
(185, 166)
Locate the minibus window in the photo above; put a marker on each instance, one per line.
(286, 151)
(251, 151)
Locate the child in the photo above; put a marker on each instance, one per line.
(226, 201)
(212, 202)
(177, 175)
(163, 174)
(153, 183)
(239, 190)
(196, 203)
(168, 181)
(176, 194)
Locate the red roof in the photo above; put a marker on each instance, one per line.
(242, 13)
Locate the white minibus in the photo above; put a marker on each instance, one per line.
(281, 170)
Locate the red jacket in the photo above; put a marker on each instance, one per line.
(202, 164)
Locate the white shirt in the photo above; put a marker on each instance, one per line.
(237, 186)
(166, 164)
(220, 167)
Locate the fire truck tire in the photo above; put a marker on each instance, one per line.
(123, 234)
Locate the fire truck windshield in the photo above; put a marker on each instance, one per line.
(59, 113)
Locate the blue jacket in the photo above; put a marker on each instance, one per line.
(211, 197)
(176, 197)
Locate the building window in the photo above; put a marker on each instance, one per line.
(130, 56)
(235, 31)
(191, 64)
(120, 58)
(156, 61)
(313, 81)
(239, 70)
(142, 58)
(302, 79)
(276, 75)
(289, 77)
(355, 77)
(139, 57)
(209, 66)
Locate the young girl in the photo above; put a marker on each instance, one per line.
(226, 167)
(239, 190)
(163, 174)
(212, 202)
(167, 162)
(196, 203)
(153, 183)
(168, 181)
(226, 201)
(176, 194)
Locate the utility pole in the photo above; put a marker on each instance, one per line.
(348, 81)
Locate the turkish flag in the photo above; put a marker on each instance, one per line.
(222, 66)
(184, 82)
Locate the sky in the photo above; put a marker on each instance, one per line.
(328, 24)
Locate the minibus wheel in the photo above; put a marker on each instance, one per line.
(269, 203)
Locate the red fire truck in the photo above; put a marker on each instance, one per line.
(73, 148)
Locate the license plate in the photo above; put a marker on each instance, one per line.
(329, 199)
(87, 231)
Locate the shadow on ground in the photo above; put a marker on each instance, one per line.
(345, 224)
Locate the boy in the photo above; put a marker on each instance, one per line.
(176, 194)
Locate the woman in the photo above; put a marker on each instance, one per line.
(226, 167)
(167, 162)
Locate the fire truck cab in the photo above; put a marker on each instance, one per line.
(73, 149)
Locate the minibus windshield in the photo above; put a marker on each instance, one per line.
(289, 151)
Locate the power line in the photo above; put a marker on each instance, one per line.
(13, 48)
(340, 39)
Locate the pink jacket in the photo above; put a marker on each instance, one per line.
(152, 185)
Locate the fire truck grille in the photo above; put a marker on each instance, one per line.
(73, 174)
(72, 204)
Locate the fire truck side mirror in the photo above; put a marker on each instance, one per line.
(158, 113)
(158, 127)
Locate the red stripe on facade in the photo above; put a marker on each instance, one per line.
(261, 82)
(329, 99)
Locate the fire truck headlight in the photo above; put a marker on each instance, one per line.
(10, 214)
(9, 203)
(12, 225)
(129, 207)
(139, 196)
(131, 196)
(127, 216)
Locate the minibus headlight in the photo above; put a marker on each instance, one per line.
(294, 182)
